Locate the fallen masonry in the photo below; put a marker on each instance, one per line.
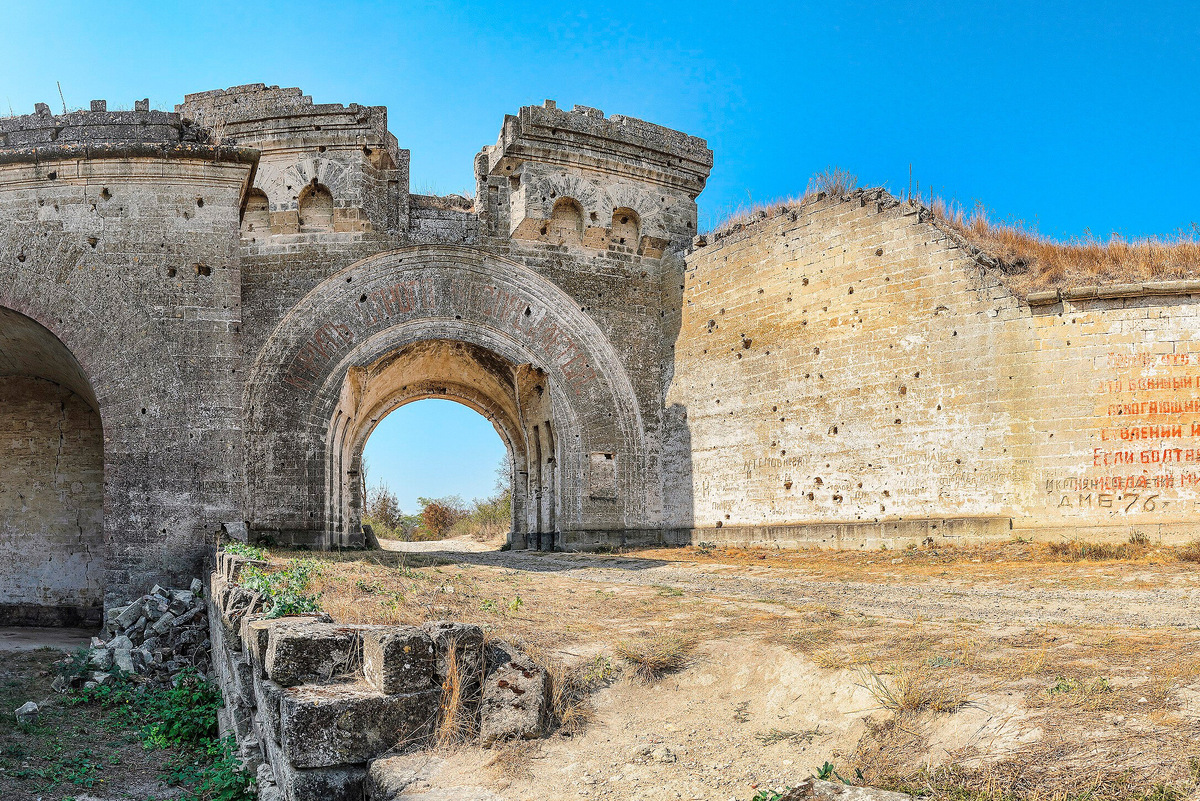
(155, 637)
(317, 708)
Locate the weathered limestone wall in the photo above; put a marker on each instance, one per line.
(51, 505)
(1116, 422)
(317, 707)
(848, 373)
(118, 235)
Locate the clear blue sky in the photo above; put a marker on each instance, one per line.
(1072, 116)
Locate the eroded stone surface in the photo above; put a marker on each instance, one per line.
(312, 652)
(343, 724)
(514, 697)
(398, 660)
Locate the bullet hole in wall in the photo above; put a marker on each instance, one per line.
(903, 390)
(202, 269)
(93, 241)
(105, 194)
(809, 495)
(878, 251)
(818, 481)
(362, 298)
(787, 485)
(171, 272)
(199, 202)
(804, 282)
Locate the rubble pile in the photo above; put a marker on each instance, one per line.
(154, 637)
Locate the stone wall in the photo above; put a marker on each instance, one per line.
(848, 373)
(235, 287)
(316, 707)
(118, 240)
(51, 506)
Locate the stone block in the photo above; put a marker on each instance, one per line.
(515, 694)
(345, 724)
(298, 653)
(399, 660)
(465, 642)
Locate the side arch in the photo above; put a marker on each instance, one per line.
(389, 301)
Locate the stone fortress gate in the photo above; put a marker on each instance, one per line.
(205, 312)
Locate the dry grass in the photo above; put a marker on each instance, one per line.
(457, 721)
(914, 688)
(980, 564)
(1032, 261)
(1189, 552)
(832, 182)
(1029, 260)
(650, 658)
(1137, 546)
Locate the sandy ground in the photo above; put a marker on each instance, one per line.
(1062, 672)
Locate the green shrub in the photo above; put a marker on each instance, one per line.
(182, 720)
(284, 589)
(242, 549)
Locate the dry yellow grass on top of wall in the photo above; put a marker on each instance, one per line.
(1034, 262)
(1028, 260)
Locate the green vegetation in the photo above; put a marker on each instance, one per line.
(241, 549)
(120, 738)
(285, 589)
(439, 518)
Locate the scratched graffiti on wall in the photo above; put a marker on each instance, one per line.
(1145, 450)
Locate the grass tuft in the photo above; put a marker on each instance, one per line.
(1135, 547)
(650, 658)
(1032, 261)
(914, 689)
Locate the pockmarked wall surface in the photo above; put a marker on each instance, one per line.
(852, 374)
(205, 312)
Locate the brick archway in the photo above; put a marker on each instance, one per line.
(382, 306)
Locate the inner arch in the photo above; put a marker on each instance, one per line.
(435, 448)
(515, 398)
(51, 481)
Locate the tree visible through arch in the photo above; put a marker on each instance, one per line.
(435, 468)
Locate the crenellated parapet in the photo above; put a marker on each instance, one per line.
(576, 177)
(98, 133)
(325, 168)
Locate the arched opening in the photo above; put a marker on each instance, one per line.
(256, 218)
(566, 222)
(435, 468)
(51, 482)
(316, 209)
(514, 399)
(626, 228)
